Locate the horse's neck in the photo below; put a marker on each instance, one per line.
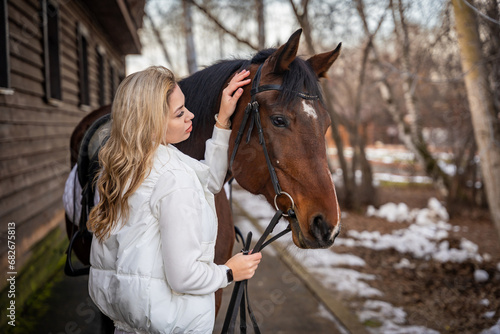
(195, 145)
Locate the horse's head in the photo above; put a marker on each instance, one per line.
(294, 121)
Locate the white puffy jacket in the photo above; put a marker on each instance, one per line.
(155, 273)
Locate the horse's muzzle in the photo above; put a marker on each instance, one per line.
(321, 233)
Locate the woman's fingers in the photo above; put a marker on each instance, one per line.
(244, 266)
(238, 81)
(231, 95)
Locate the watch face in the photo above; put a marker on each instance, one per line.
(229, 274)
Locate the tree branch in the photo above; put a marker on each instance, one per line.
(221, 26)
(158, 38)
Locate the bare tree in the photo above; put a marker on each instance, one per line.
(485, 121)
(225, 29)
(158, 37)
(412, 130)
(188, 33)
(259, 4)
(409, 125)
(350, 200)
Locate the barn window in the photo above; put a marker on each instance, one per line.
(100, 72)
(4, 48)
(83, 65)
(52, 58)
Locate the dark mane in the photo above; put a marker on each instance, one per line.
(202, 91)
(300, 78)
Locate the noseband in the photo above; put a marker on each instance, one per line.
(240, 289)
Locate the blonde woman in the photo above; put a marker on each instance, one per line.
(155, 224)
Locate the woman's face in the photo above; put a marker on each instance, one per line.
(179, 118)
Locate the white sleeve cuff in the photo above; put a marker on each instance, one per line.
(221, 136)
(225, 269)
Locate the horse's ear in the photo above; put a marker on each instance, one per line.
(281, 59)
(323, 61)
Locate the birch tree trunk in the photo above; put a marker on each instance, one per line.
(261, 21)
(493, 11)
(484, 120)
(413, 137)
(188, 33)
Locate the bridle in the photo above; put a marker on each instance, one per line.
(238, 299)
(252, 110)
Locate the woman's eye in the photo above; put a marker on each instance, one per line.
(180, 114)
(279, 121)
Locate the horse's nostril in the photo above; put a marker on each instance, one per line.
(320, 227)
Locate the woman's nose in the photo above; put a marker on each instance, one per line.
(190, 115)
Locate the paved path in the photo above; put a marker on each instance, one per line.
(280, 299)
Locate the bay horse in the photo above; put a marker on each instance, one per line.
(294, 129)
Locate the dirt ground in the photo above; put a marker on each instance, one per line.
(441, 296)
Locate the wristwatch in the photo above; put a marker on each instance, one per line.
(229, 274)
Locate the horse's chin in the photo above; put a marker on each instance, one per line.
(297, 236)
(299, 240)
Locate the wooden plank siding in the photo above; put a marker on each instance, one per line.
(35, 133)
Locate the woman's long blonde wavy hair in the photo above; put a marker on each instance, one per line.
(139, 121)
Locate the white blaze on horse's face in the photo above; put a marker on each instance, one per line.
(309, 110)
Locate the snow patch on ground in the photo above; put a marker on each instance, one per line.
(391, 328)
(423, 239)
(348, 281)
(493, 330)
(392, 212)
(392, 319)
(326, 258)
(481, 276)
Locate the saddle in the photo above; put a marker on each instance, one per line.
(87, 168)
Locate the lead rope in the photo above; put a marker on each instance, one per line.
(238, 299)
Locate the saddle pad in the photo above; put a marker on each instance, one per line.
(72, 197)
(94, 138)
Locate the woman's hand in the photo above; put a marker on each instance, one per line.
(231, 95)
(244, 266)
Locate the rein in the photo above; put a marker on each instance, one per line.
(238, 299)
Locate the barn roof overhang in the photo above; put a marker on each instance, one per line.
(121, 20)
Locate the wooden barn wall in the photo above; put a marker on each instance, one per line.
(34, 135)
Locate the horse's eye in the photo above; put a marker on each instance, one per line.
(279, 121)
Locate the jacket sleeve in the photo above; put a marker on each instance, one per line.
(216, 158)
(186, 269)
